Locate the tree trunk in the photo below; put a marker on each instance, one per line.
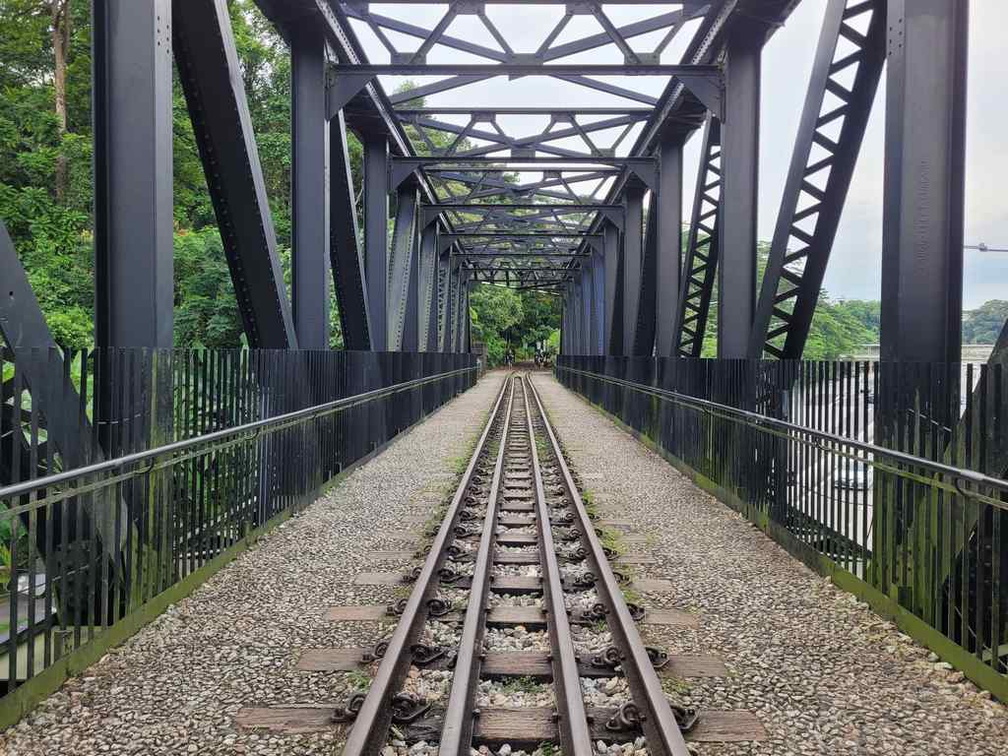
(61, 51)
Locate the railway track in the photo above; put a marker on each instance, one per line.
(516, 621)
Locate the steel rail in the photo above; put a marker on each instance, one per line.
(370, 728)
(256, 427)
(661, 730)
(573, 719)
(456, 732)
(765, 422)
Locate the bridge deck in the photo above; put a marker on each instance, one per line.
(820, 672)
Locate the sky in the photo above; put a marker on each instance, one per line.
(854, 268)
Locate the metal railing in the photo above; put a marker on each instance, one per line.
(210, 447)
(891, 473)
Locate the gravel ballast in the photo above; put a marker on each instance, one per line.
(820, 670)
(175, 687)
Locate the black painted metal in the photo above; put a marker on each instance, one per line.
(401, 274)
(211, 80)
(633, 263)
(248, 436)
(739, 192)
(826, 149)
(132, 92)
(668, 250)
(345, 253)
(863, 478)
(310, 189)
(924, 199)
(702, 249)
(376, 211)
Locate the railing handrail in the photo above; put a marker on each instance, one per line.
(957, 474)
(256, 427)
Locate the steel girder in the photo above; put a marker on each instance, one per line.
(702, 249)
(211, 79)
(739, 193)
(668, 263)
(401, 278)
(310, 189)
(428, 289)
(132, 98)
(644, 332)
(376, 211)
(829, 139)
(922, 244)
(599, 279)
(633, 264)
(613, 250)
(345, 254)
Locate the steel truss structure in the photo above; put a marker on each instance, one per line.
(581, 201)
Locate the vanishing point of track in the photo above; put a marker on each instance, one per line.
(518, 553)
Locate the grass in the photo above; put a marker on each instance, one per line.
(631, 596)
(358, 680)
(675, 686)
(522, 684)
(611, 539)
(549, 749)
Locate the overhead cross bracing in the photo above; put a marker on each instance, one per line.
(522, 186)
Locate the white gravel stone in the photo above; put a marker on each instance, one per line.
(520, 693)
(605, 692)
(514, 599)
(515, 639)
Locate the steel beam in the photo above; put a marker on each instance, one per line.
(633, 263)
(376, 210)
(669, 243)
(599, 302)
(825, 154)
(740, 192)
(309, 190)
(702, 249)
(210, 74)
(401, 264)
(922, 244)
(344, 251)
(411, 328)
(134, 222)
(428, 289)
(644, 333)
(613, 251)
(526, 69)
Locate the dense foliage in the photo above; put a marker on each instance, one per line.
(521, 321)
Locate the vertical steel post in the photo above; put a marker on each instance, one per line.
(132, 105)
(400, 265)
(922, 246)
(427, 309)
(633, 261)
(613, 289)
(600, 278)
(376, 211)
(739, 196)
(591, 312)
(669, 225)
(411, 328)
(309, 190)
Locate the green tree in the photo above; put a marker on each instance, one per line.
(983, 325)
